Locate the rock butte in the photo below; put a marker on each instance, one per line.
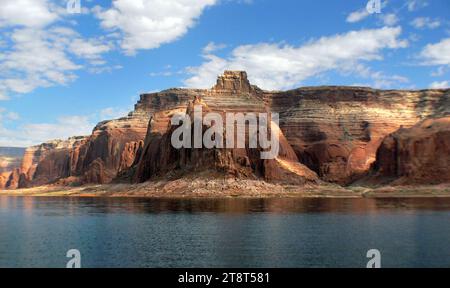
(332, 133)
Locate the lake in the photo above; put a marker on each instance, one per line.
(137, 232)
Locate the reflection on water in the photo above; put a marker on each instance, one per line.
(73, 205)
(134, 232)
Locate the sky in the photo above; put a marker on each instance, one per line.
(63, 69)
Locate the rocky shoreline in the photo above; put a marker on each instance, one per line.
(186, 188)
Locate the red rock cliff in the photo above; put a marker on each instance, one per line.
(333, 132)
(232, 93)
(336, 131)
(416, 155)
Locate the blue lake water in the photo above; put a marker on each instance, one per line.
(129, 232)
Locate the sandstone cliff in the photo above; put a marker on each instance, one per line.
(331, 133)
(51, 161)
(232, 93)
(416, 155)
(336, 131)
(109, 151)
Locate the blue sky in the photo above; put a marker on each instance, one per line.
(61, 73)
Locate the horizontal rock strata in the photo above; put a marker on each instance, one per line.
(330, 133)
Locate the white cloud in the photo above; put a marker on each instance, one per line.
(440, 85)
(380, 80)
(439, 72)
(279, 66)
(64, 127)
(147, 24)
(36, 133)
(357, 16)
(113, 113)
(4, 114)
(414, 5)
(212, 47)
(437, 54)
(363, 13)
(29, 13)
(32, 134)
(89, 49)
(425, 22)
(102, 69)
(38, 51)
(37, 59)
(46, 57)
(389, 19)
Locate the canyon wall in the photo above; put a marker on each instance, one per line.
(416, 155)
(336, 131)
(328, 133)
(98, 158)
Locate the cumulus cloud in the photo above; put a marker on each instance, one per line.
(357, 16)
(147, 24)
(28, 13)
(89, 49)
(437, 54)
(281, 66)
(35, 60)
(39, 51)
(425, 22)
(44, 58)
(440, 85)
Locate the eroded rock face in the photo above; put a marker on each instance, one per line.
(110, 150)
(92, 159)
(232, 94)
(416, 155)
(333, 132)
(336, 131)
(51, 161)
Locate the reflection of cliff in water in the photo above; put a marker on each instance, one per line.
(71, 205)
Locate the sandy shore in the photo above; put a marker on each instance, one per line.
(226, 188)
